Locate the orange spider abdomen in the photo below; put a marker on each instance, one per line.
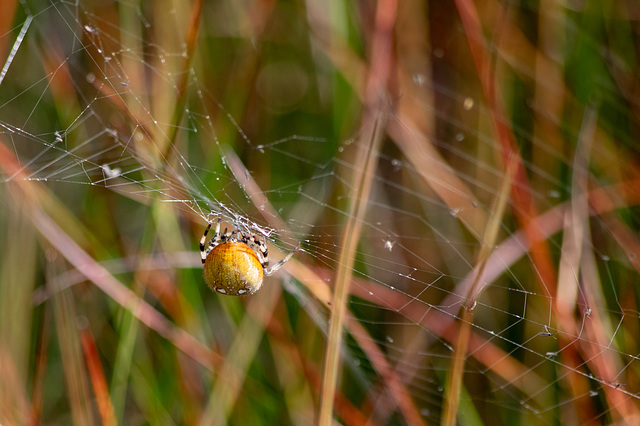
(233, 268)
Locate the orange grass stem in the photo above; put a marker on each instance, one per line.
(98, 380)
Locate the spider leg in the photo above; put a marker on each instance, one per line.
(282, 262)
(203, 254)
(203, 240)
(260, 249)
(216, 240)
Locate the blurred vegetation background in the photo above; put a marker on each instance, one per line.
(462, 178)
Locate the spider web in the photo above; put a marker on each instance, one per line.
(87, 107)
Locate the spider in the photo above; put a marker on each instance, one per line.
(235, 264)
